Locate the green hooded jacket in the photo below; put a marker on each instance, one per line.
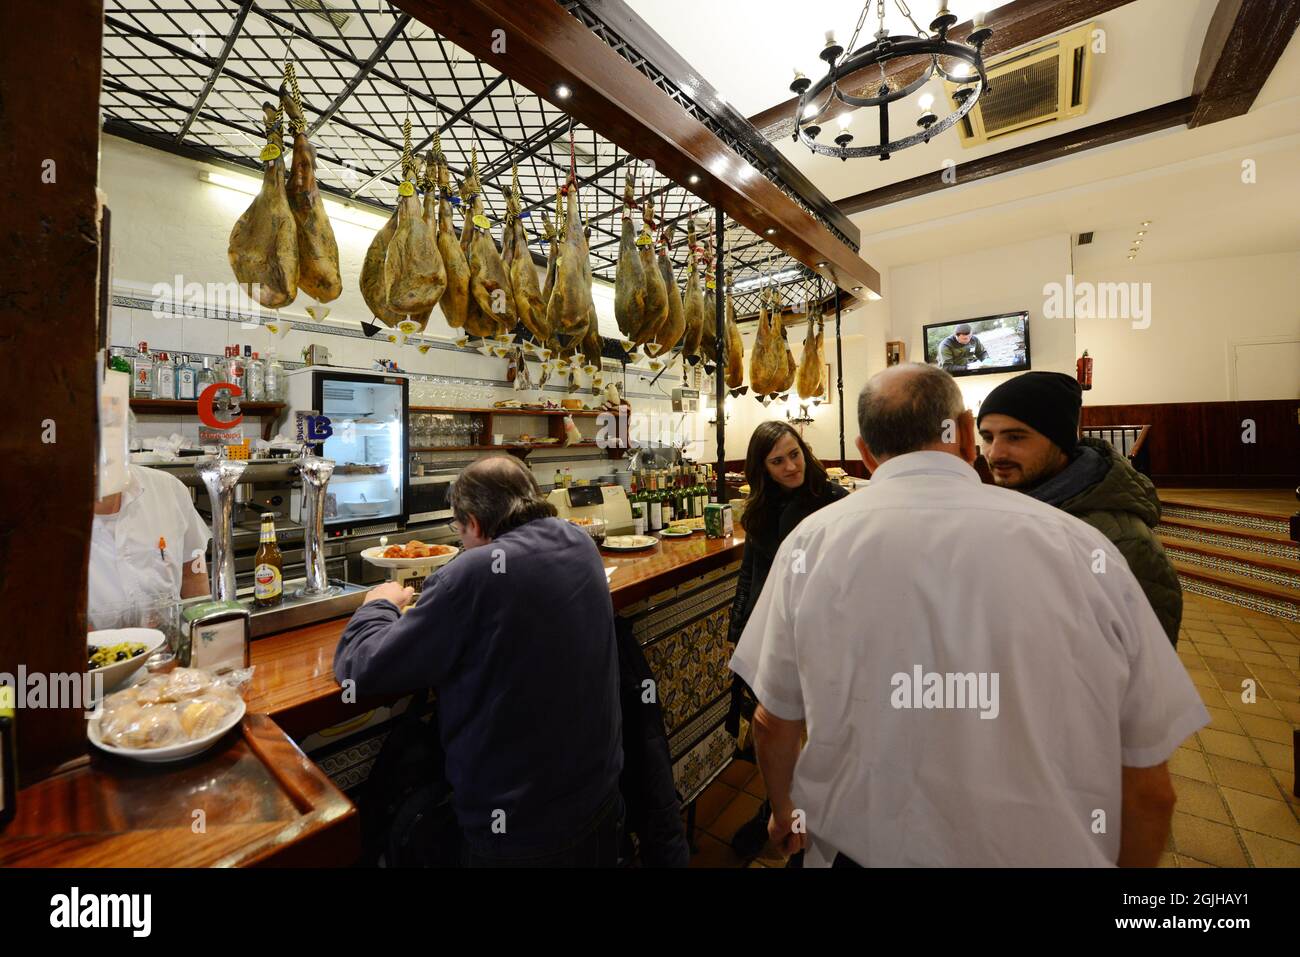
(1124, 507)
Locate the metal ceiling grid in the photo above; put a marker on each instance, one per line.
(194, 73)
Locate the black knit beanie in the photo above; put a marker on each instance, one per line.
(1046, 401)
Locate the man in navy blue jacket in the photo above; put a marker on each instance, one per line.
(516, 634)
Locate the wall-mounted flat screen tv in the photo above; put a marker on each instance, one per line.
(979, 346)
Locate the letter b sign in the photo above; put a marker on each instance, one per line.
(318, 428)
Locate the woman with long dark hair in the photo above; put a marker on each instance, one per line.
(786, 484)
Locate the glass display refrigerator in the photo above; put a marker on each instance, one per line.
(366, 437)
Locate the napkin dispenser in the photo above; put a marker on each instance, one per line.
(215, 636)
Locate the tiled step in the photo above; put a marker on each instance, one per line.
(1271, 544)
(1284, 573)
(1237, 589)
(1233, 517)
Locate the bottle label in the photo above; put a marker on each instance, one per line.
(269, 152)
(267, 583)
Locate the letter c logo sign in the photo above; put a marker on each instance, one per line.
(208, 416)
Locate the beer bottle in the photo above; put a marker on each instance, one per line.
(268, 577)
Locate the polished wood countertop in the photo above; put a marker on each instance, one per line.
(293, 678)
(254, 800)
(262, 800)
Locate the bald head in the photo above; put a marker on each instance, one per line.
(910, 407)
(497, 493)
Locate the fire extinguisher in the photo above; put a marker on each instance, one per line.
(1083, 371)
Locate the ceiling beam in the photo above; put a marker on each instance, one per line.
(1013, 25)
(1175, 113)
(1242, 45)
(217, 67)
(547, 46)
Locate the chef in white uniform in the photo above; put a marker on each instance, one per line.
(147, 544)
(982, 681)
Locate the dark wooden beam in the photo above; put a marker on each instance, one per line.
(546, 46)
(1122, 128)
(1242, 45)
(1013, 25)
(49, 267)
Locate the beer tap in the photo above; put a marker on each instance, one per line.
(220, 476)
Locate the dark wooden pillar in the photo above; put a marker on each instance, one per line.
(49, 269)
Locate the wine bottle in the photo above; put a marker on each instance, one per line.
(8, 756)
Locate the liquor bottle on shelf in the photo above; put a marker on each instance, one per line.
(568, 476)
(142, 373)
(559, 478)
(235, 367)
(275, 381)
(268, 565)
(204, 376)
(164, 377)
(668, 503)
(713, 486)
(254, 376)
(186, 380)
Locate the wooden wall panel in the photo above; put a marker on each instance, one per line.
(1203, 444)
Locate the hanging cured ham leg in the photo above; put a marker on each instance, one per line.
(413, 270)
(318, 250)
(455, 298)
(674, 325)
(735, 368)
(571, 309)
(264, 243)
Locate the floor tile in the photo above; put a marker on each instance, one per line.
(740, 811)
(1245, 643)
(1263, 815)
(738, 773)
(713, 853)
(1209, 637)
(1279, 757)
(1254, 778)
(1262, 706)
(1168, 859)
(1289, 711)
(1286, 784)
(1266, 729)
(1222, 719)
(1209, 652)
(1191, 862)
(713, 802)
(1207, 841)
(1192, 764)
(1268, 851)
(1201, 799)
(1228, 745)
(757, 786)
(1202, 679)
(1266, 658)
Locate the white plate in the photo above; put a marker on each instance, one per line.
(685, 533)
(372, 555)
(119, 671)
(629, 543)
(175, 752)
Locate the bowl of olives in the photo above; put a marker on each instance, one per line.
(115, 654)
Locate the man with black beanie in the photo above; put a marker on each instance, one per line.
(1029, 427)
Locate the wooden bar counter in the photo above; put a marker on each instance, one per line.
(259, 799)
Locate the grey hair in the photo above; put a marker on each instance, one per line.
(500, 493)
(908, 410)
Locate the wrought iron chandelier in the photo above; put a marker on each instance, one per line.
(968, 76)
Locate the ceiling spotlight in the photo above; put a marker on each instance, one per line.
(1146, 222)
(562, 92)
(821, 265)
(1132, 257)
(692, 179)
(857, 289)
(1142, 232)
(1137, 242)
(771, 230)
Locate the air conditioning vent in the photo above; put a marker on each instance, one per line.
(319, 9)
(1084, 239)
(1041, 83)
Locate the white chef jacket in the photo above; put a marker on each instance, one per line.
(929, 567)
(126, 565)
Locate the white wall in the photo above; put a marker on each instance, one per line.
(982, 283)
(1198, 310)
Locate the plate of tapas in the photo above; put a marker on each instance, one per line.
(412, 554)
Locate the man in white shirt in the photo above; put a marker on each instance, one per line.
(981, 679)
(147, 543)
